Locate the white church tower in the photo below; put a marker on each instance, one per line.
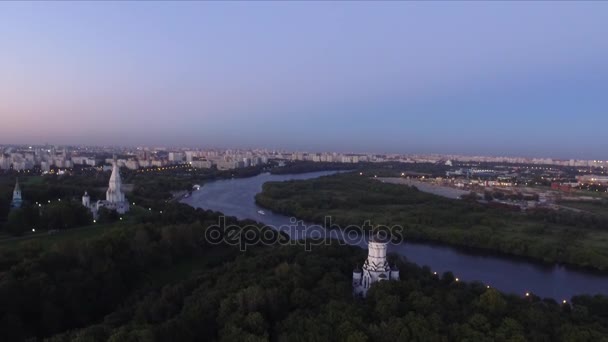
(86, 200)
(115, 198)
(114, 193)
(17, 199)
(376, 267)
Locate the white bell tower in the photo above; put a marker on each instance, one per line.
(86, 200)
(376, 267)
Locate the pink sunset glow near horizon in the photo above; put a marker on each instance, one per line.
(474, 78)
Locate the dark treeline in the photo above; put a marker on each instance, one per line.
(51, 187)
(294, 167)
(52, 202)
(351, 199)
(384, 169)
(72, 284)
(159, 280)
(57, 215)
(288, 294)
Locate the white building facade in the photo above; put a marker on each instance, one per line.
(375, 268)
(115, 197)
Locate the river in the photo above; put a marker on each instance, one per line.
(235, 197)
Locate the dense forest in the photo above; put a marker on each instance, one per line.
(155, 277)
(48, 288)
(351, 199)
(160, 281)
(51, 202)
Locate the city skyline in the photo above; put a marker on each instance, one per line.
(461, 78)
(20, 152)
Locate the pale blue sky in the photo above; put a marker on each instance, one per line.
(495, 78)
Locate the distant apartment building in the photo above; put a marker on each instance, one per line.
(229, 164)
(44, 166)
(83, 161)
(5, 162)
(22, 165)
(157, 163)
(132, 164)
(176, 157)
(201, 164)
(62, 163)
(190, 156)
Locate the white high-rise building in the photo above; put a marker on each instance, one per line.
(375, 269)
(176, 157)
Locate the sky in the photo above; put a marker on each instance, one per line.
(480, 78)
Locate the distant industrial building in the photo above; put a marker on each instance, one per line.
(592, 179)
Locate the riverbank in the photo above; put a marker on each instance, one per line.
(235, 197)
(350, 199)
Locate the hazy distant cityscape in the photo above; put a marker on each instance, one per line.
(277, 171)
(512, 181)
(46, 157)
